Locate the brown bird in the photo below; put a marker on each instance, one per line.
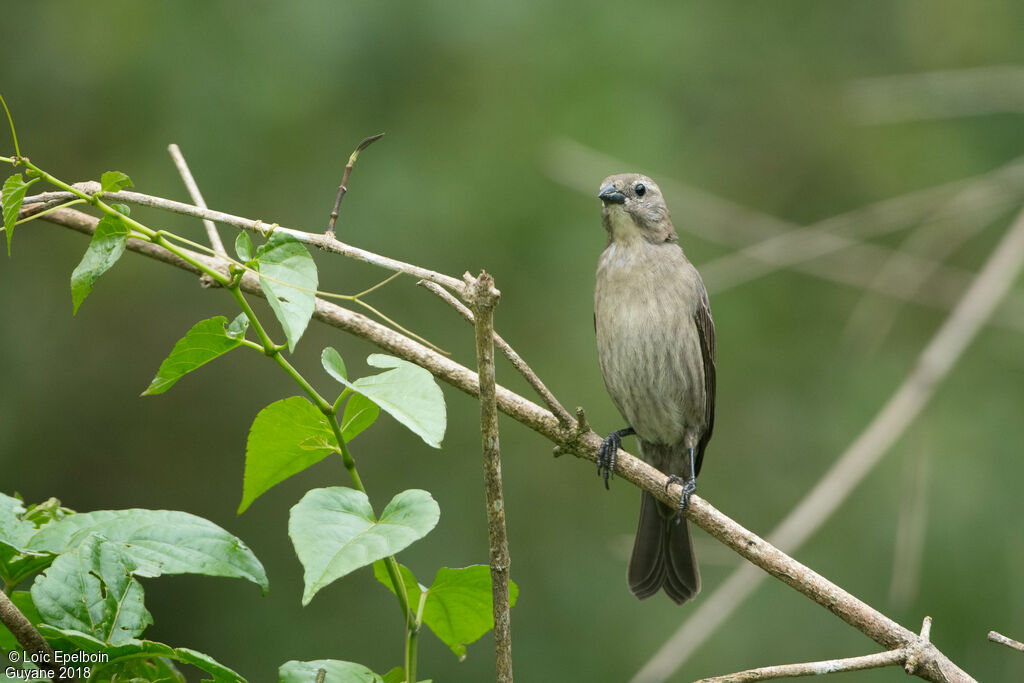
(656, 347)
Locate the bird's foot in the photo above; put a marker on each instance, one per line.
(608, 453)
(689, 488)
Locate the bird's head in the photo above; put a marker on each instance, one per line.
(632, 208)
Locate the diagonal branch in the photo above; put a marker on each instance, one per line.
(196, 195)
(324, 242)
(829, 666)
(513, 357)
(997, 637)
(583, 442)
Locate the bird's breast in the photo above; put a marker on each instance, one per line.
(648, 344)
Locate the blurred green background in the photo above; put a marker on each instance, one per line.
(489, 109)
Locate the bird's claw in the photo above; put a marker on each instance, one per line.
(608, 453)
(689, 488)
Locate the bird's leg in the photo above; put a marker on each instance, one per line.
(608, 453)
(689, 485)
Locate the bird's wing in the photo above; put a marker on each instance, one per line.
(706, 335)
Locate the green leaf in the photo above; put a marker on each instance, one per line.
(207, 340)
(288, 276)
(139, 669)
(159, 542)
(458, 607)
(220, 673)
(337, 672)
(107, 245)
(243, 247)
(50, 510)
(334, 531)
(396, 675)
(17, 526)
(238, 326)
(11, 196)
(14, 531)
(285, 438)
(408, 392)
(156, 657)
(113, 181)
(92, 589)
(360, 413)
(122, 209)
(23, 601)
(333, 364)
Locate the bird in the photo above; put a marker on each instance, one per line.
(656, 349)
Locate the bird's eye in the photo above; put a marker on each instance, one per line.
(641, 190)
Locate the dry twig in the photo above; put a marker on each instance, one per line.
(997, 637)
(343, 188)
(484, 297)
(324, 242)
(197, 196)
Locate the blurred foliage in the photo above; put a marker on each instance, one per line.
(744, 100)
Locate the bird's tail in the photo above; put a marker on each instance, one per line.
(662, 554)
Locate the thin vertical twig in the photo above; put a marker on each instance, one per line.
(343, 188)
(197, 196)
(483, 298)
(936, 360)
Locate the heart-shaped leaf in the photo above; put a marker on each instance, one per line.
(334, 531)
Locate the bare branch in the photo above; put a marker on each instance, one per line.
(933, 364)
(517, 361)
(933, 666)
(828, 666)
(324, 242)
(343, 188)
(484, 298)
(936, 95)
(997, 637)
(197, 196)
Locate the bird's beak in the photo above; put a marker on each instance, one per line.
(610, 195)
